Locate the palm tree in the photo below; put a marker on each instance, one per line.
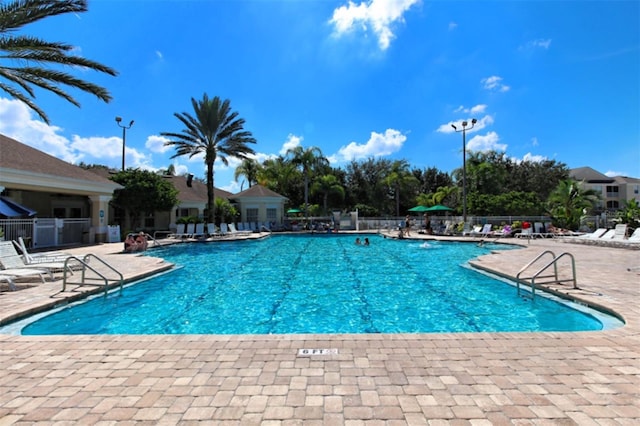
(399, 178)
(326, 185)
(216, 132)
(568, 202)
(30, 53)
(308, 160)
(249, 169)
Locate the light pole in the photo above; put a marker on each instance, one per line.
(464, 164)
(124, 135)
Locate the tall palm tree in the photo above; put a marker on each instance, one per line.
(325, 185)
(249, 169)
(398, 178)
(213, 131)
(30, 54)
(308, 160)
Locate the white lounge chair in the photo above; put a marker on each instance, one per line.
(234, 231)
(180, 231)
(607, 235)
(620, 232)
(31, 258)
(13, 264)
(212, 230)
(198, 231)
(9, 280)
(594, 235)
(191, 229)
(224, 229)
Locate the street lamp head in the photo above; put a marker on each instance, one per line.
(464, 124)
(473, 121)
(131, 124)
(118, 120)
(454, 127)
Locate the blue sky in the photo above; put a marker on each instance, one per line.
(545, 79)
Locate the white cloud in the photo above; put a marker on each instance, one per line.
(379, 144)
(159, 55)
(481, 123)
(291, 142)
(156, 143)
(452, 26)
(376, 15)
(534, 141)
(488, 142)
(535, 44)
(494, 83)
(611, 173)
(17, 122)
(478, 109)
(533, 158)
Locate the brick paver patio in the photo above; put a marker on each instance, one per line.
(583, 378)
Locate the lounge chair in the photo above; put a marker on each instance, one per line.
(212, 230)
(234, 231)
(199, 231)
(224, 229)
(32, 258)
(191, 229)
(594, 235)
(607, 235)
(13, 264)
(9, 280)
(475, 231)
(620, 232)
(180, 231)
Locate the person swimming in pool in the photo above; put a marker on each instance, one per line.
(358, 241)
(366, 241)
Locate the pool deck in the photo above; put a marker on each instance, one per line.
(581, 378)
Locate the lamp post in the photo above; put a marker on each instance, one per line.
(124, 135)
(464, 164)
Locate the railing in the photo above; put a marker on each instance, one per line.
(85, 265)
(47, 232)
(538, 274)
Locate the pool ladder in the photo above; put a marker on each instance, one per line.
(84, 262)
(533, 280)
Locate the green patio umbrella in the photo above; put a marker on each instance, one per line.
(419, 209)
(438, 208)
(291, 211)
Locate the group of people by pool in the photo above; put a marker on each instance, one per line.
(135, 242)
(361, 243)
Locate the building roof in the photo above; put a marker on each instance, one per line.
(25, 168)
(589, 175)
(197, 191)
(258, 191)
(18, 156)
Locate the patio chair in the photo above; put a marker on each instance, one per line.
(31, 258)
(212, 230)
(234, 231)
(11, 262)
(199, 231)
(620, 232)
(180, 231)
(9, 280)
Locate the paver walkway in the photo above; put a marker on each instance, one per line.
(584, 378)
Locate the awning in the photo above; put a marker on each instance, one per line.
(9, 208)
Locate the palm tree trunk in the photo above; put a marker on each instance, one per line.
(210, 194)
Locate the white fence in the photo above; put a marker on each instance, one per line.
(48, 232)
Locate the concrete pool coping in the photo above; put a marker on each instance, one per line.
(470, 378)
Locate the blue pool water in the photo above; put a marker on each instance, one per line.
(316, 284)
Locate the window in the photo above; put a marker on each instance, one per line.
(272, 215)
(636, 189)
(252, 215)
(182, 213)
(612, 191)
(613, 204)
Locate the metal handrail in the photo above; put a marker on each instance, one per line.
(537, 274)
(85, 265)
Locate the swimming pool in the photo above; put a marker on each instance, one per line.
(316, 284)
